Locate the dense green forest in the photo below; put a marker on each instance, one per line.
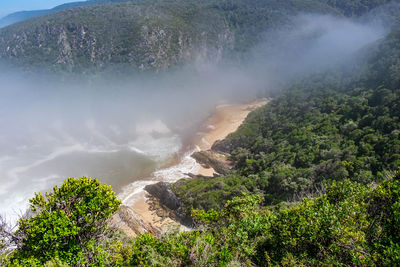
(315, 181)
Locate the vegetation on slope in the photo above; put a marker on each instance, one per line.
(137, 35)
(329, 127)
(350, 224)
(353, 8)
(149, 34)
(338, 228)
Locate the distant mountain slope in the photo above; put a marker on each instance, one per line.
(144, 34)
(150, 34)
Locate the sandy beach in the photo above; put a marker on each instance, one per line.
(224, 120)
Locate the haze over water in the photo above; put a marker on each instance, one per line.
(51, 131)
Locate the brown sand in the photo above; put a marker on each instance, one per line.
(224, 120)
(142, 207)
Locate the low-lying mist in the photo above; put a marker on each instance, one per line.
(314, 43)
(121, 130)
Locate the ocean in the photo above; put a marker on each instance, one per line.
(126, 136)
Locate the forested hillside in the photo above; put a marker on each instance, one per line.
(152, 35)
(330, 126)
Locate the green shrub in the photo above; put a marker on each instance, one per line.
(67, 223)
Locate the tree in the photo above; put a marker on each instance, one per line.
(67, 222)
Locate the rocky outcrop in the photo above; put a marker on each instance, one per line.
(163, 192)
(131, 223)
(222, 147)
(210, 159)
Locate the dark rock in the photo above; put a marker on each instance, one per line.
(222, 146)
(195, 176)
(209, 159)
(163, 192)
(126, 216)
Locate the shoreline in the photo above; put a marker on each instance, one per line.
(224, 119)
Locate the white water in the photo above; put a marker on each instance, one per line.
(37, 168)
(134, 191)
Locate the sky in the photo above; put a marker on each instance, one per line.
(10, 6)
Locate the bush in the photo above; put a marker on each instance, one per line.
(67, 222)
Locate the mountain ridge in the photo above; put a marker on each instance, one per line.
(24, 15)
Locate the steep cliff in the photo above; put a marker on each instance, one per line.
(143, 37)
